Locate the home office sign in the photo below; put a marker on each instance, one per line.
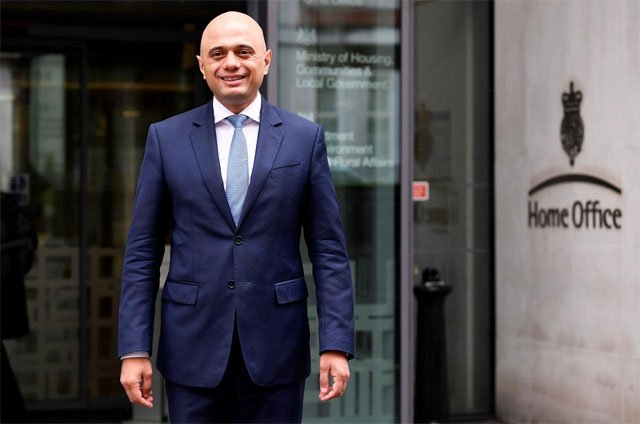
(589, 213)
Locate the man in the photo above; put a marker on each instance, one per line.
(234, 340)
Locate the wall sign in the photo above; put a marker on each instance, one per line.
(579, 213)
(572, 128)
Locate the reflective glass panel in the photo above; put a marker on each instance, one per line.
(452, 154)
(39, 151)
(127, 92)
(339, 65)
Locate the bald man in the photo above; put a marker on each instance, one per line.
(235, 182)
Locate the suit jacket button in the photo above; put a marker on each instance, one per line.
(237, 240)
(231, 284)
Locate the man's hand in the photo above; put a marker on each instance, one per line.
(335, 364)
(135, 377)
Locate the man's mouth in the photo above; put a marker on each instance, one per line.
(231, 78)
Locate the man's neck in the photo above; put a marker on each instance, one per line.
(252, 110)
(236, 109)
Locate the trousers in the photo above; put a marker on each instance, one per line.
(237, 399)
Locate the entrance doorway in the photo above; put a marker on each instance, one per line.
(80, 84)
(453, 221)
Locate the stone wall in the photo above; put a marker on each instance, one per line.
(568, 295)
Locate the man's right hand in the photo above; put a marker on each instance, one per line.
(135, 377)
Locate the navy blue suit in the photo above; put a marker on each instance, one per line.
(220, 274)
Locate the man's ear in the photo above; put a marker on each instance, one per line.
(267, 61)
(201, 66)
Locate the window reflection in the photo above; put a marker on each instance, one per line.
(338, 65)
(452, 153)
(127, 92)
(40, 164)
(130, 82)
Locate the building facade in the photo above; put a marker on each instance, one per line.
(456, 141)
(567, 149)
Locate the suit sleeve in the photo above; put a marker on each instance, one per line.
(325, 240)
(144, 252)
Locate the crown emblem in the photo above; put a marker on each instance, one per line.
(572, 128)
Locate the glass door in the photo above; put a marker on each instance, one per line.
(40, 142)
(127, 91)
(453, 216)
(78, 194)
(80, 84)
(339, 65)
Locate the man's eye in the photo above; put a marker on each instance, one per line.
(216, 55)
(244, 52)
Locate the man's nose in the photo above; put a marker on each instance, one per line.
(231, 61)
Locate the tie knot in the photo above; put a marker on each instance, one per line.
(237, 120)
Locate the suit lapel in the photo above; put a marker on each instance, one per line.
(269, 139)
(205, 147)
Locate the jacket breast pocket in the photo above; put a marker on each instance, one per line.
(184, 293)
(287, 170)
(291, 291)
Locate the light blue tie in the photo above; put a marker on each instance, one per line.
(237, 168)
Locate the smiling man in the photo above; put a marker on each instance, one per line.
(235, 182)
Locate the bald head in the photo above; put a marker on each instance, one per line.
(234, 59)
(230, 21)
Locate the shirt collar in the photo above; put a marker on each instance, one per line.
(221, 113)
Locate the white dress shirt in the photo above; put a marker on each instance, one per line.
(224, 135)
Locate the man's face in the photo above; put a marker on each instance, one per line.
(234, 60)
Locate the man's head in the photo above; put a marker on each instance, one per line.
(234, 59)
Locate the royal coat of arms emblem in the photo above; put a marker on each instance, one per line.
(572, 128)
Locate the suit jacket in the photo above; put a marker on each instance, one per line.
(218, 272)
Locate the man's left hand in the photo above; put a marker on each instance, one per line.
(334, 364)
